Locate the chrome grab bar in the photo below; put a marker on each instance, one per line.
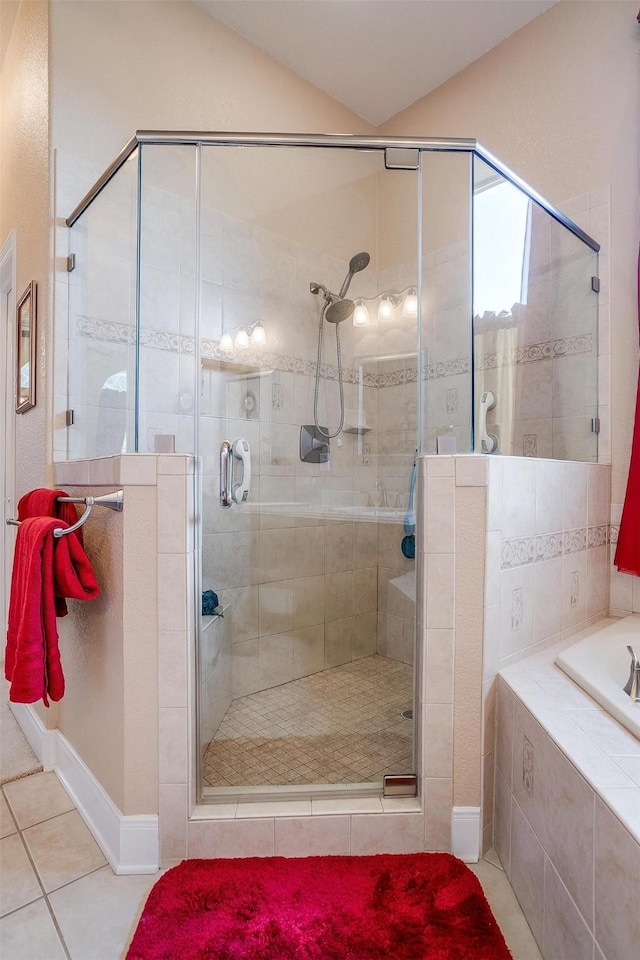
(226, 473)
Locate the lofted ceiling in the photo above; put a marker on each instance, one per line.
(376, 56)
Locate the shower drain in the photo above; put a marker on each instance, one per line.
(407, 714)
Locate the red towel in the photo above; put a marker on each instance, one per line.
(32, 658)
(43, 502)
(42, 565)
(72, 571)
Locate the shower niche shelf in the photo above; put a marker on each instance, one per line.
(354, 423)
(240, 367)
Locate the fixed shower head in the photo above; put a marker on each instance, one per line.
(357, 263)
(335, 309)
(339, 311)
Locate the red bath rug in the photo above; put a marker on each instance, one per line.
(417, 906)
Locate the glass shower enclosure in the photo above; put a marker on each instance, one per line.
(307, 315)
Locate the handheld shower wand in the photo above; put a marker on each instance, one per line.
(357, 263)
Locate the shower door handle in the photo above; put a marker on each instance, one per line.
(241, 451)
(226, 473)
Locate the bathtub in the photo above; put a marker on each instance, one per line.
(600, 665)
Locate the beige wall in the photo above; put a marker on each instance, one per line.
(171, 67)
(91, 713)
(559, 102)
(24, 206)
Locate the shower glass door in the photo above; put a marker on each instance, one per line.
(306, 639)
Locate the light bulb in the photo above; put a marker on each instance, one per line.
(410, 305)
(242, 338)
(258, 335)
(226, 343)
(385, 309)
(361, 314)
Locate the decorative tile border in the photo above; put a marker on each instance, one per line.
(599, 536)
(447, 368)
(105, 330)
(395, 378)
(546, 350)
(575, 540)
(549, 546)
(178, 343)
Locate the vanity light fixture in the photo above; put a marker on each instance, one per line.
(385, 309)
(410, 305)
(386, 305)
(361, 314)
(243, 337)
(258, 335)
(226, 343)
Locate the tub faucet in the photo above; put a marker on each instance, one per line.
(632, 686)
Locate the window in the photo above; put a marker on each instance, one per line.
(501, 228)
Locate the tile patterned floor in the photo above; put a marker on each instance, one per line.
(342, 725)
(92, 916)
(59, 899)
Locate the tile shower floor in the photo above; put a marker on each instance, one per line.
(342, 725)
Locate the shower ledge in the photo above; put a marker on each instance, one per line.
(321, 512)
(406, 584)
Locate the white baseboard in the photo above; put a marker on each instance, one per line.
(466, 833)
(130, 844)
(41, 740)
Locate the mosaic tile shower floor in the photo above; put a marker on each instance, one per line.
(342, 725)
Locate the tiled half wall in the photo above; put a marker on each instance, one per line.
(514, 556)
(547, 568)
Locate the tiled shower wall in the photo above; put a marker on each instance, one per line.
(301, 586)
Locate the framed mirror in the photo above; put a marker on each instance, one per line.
(26, 350)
